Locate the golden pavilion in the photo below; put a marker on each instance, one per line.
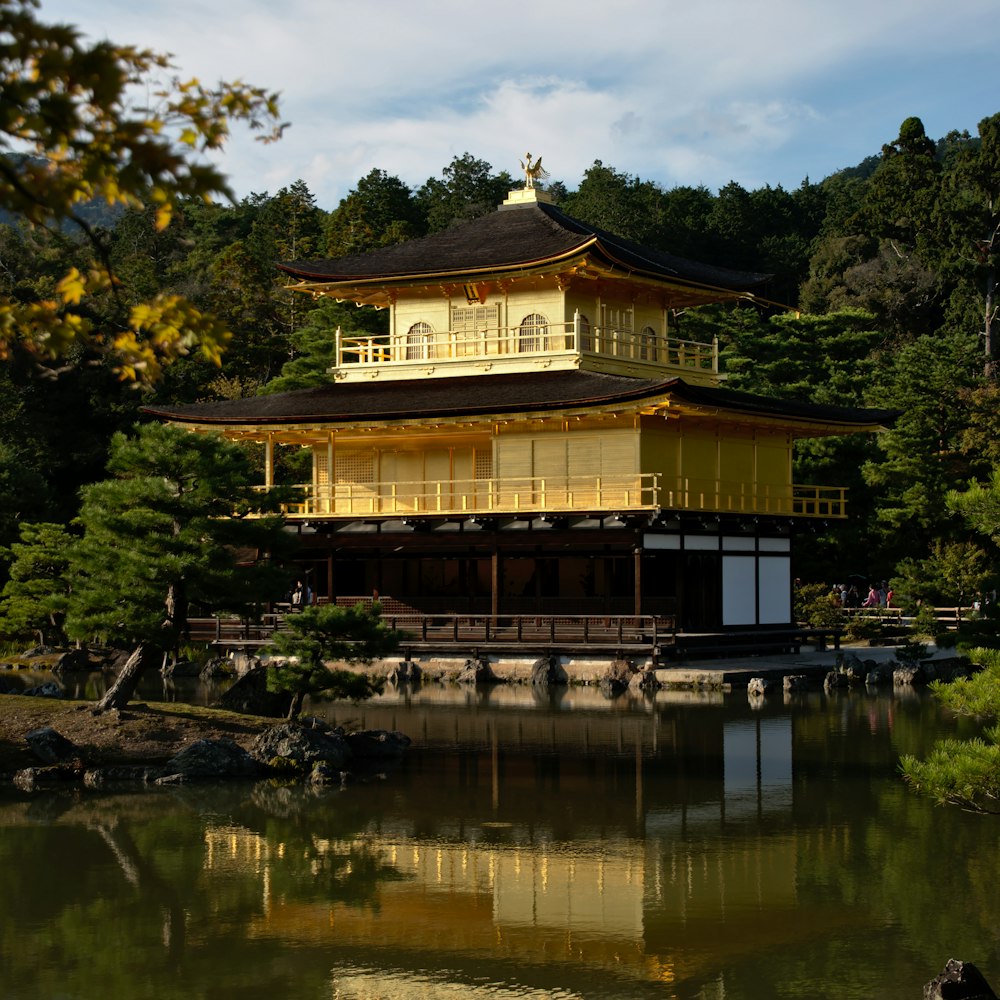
(532, 438)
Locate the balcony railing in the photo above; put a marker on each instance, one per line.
(521, 342)
(565, 494)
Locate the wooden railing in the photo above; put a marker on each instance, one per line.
(564, 494)
(445, 346)
(609, 632)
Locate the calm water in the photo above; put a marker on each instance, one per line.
(682, 847)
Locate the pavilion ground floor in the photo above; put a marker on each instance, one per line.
(699, 575)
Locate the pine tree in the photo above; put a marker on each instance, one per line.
(34, 598)
(178, 525)
(325, 633)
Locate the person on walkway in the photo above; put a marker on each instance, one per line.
(301, 596)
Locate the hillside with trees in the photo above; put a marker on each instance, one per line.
(131, 275)
(883, 294)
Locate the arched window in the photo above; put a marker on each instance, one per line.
(647, 344)
(586, 341)
(533, 333)
(418, 341)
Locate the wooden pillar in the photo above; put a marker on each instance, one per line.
(637, 562)
(329, 577)
(495, 583)
(330, 477)
(269, 462)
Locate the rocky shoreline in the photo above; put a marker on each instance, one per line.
(310, 749)
(47, 741)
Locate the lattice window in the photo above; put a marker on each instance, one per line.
(473, 324)
(483, 464)
(474, 319)
(418, 341)
(533, 333)
(321, 466)
(647, 343)
(616, 330)
(354, 466)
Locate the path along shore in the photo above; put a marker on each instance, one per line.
(736, 672)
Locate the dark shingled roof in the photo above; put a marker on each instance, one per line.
(476, 395)
(516, 237)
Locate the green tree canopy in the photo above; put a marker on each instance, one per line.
(34, 598)
(467, 189)
(922, 455)
(965, 772)
(380, 211)
(178, 525)
(314, 342)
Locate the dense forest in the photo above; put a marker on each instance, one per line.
(882, 294)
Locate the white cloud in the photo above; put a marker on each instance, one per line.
(696, 93)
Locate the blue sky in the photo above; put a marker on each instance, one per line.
(765, 92)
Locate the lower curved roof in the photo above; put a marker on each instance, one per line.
(481, 395)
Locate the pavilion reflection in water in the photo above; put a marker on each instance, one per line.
(625, 853)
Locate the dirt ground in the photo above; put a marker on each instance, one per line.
(144, 733)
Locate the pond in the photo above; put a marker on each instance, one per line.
(567, 846)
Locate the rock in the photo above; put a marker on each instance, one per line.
(212, 759)
(835, 680)
(38, 651)
(99, 777)
(182, 668)
(959, 981)
(547, 671)
(170, 779)
(405, 672)
(952, 668)
(878, 675)
(115, 659)
(243, 662)
(326, 774)
(47, 690)
(644, 681)
(73, 661)
(218, 666)
(477, 672)
(303, 743)
(794, 683)
(51, 747)
(250, 696)
(616, 678)
(31, 778)
(26, 779)
(757, 687)
(852, 667)
(377, 744)
(908, 676)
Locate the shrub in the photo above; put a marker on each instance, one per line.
(862, 628)
(814, 605)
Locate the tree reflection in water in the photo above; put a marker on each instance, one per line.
(585, 849)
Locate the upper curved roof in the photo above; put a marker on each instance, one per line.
(512, 238)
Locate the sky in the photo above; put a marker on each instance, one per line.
(697, 93)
